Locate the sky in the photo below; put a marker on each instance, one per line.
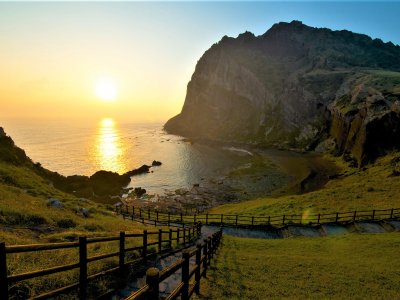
(54, 56)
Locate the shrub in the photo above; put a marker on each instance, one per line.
(66, 223)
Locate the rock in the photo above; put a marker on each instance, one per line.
(139, 192)
(2, 132)
(84, 212)
(181, 191)
(56, 203)
(196, 185)
(156, 163)
(294, 87)
(143, 169)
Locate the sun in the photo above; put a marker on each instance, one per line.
(105, 89)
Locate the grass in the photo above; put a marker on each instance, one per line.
(346, 267)
(376, 187)
(25, 214)
(25, 218)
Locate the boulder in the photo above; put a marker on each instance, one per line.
(56, 203)
(156, 163)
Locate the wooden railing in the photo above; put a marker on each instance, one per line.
(203, 253)
(180, 236)
(157, 217)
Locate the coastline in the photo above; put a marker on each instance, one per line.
(271, 172)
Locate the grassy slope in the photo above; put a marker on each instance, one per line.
(350, 266)
(25, 218)
(373, 188)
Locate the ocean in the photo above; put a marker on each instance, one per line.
(71, 148)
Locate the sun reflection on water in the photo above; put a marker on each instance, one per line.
(109, 150)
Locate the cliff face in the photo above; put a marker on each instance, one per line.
(295, 86)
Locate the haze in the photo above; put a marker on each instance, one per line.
(52, 54)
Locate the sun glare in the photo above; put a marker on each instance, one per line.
(107, 122)
(105, 89)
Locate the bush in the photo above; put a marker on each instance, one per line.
(15, 218)
(66, 223)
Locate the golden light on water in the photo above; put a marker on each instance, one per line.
(109, 150)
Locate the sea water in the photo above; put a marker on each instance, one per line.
(71, 148)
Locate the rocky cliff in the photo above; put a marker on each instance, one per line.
(297, 87)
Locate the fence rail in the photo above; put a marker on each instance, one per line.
(180, 236)
(203, 253)
(156, 217)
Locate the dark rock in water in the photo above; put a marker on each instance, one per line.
(143, 169)
(297, 87)
(139, 192)
(156, 163)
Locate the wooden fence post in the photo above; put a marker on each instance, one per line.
(121, 252)
(355, 215)
(189, 235)
(144, 252)
(140, 212)
(236, 221)
(199, 226)
(319, 218)
(252, 221)
(170, 238)
(205, 253)
(185, 275)
(206, 219)
(337, 217)
(148, 213)
(3, 271)
(391, 213)
(82, 267)
(373, 214)
(222, 219)
(133, 210)
(283, 220)
(209, 250)
(181, 218)
(269, 220)
(177, 237)
(194, 218)
(184, 235)
(157, 215)
(152, 280)
(198, 271)
(159, 240)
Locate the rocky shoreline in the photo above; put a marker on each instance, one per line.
(260, 178)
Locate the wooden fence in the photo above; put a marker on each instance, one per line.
(181, 236)
(157, 217)
(185, 289)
